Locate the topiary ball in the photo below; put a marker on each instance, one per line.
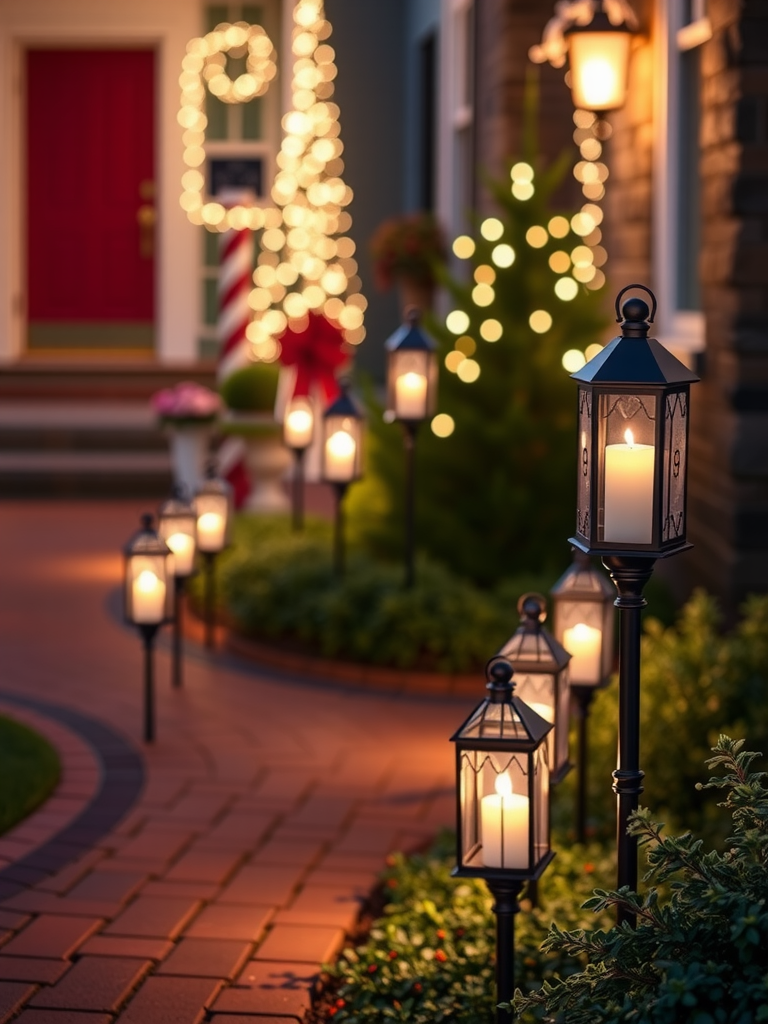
(252, 389)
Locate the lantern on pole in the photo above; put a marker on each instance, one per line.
(147, 601)
(298, 432)
(213, 509)
(177, 525)
(502, 793)
(541, 671)
(342, 459)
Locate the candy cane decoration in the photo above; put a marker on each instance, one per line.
(235, 269)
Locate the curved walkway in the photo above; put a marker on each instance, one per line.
(213, 892)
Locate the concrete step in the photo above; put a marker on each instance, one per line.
(72, 379)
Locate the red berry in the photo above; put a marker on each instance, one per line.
(392, 883)
(417, 987)
(440, 955)
(341, 1002)
(372, 968)
(440, 933)
(392, 954)
(589, 868)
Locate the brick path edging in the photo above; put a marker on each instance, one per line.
(102, 776)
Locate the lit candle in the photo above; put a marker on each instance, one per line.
(210, 532)
(340, 451)
(298, 428)
(583, 644)
(183, 547)
(629, 492)
(504, 818)
(411, 396)
(148, 598)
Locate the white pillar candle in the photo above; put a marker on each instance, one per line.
(210, 532)
(340, 451)
(583, 644)
(629, 492)
(148, 599)
(298, 428)
(183, 547)
(504, 820)
(411, 396)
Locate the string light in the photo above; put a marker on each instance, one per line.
(503, 255)
(491, 330)
(492, 229)
(566, 289)
(540, 321)
(468, 371)
(443, 425)
(536, 236)
(573, 360)
(463, 247)
(305, 230)
(457, 321)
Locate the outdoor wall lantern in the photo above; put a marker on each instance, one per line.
(411, 398)
(502, 790)
(595, 35)
(147, 601)
(583, 622)
(298, 433)
(177, 526)
(342, 460)
(541, 667)
(633, 402)
(213, 509)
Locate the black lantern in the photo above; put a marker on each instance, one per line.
(633, 442)
(342, 459)
(213, 509)
(147, 600)
(177, 525)
(411, 372)
(541, 670)
(298, 432)
(583, 622)
(502, 790)
(411, 398)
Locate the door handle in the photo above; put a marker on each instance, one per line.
(146, 215)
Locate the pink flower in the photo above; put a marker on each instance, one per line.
(186, 401)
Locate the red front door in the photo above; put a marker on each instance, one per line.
(90, 199)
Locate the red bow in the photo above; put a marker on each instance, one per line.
(316, 352)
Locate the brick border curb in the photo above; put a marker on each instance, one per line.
(102, 778)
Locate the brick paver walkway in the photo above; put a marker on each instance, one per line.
(205, 878)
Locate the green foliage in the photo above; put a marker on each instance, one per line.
(29, 770)
(698, 955)
(407, 247)
(497, 496)
(280, 586)
(697, 681)
(252, 389)
(429, 958)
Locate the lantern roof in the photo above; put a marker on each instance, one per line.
(633, 357)
(344, 405)
(213, 484)
(410, 336)
(177, 505)
(146, 541)
(503, 718)
(582, 581)
(532, 648)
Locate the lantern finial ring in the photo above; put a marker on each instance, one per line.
(629, 287)
(532, 609)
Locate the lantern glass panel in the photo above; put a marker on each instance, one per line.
(541, 803)
(584, 495)
(342, 454)
(212, 509)
(147, 594)
(675, 454)
(580, 627)
(178, 532)
(539, 692)
(628, 445)
(496, 794)
(493, 721)
(412, 383)
(599, 63)
(298, 424)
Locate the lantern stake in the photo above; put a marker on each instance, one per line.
(148, 634)
(505, 907)
(630, 576)
(298, 489)
(209, 598)
(409, 433)
(338, 531)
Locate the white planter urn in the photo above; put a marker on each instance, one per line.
(189, 455)
(267, 461)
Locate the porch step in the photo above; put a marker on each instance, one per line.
(72, 379)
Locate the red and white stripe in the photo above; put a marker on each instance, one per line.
(235, 283)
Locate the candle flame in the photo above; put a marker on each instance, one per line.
(629, 437)
(504, 785)
(581, 631)
(146, 582)
(341, 444)
(299, 420)
(209, 521)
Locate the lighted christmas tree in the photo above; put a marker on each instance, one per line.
(496, 471)
(306, 271)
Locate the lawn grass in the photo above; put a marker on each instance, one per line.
(29, 770)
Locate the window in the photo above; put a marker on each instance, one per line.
(683, 27)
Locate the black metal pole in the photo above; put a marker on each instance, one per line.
(178, 611)
(409, 433)
(630, 576)
(210, 598)
(583, 697)
(298, 489)
(505, 906)
(338, 531)
(148, 636)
